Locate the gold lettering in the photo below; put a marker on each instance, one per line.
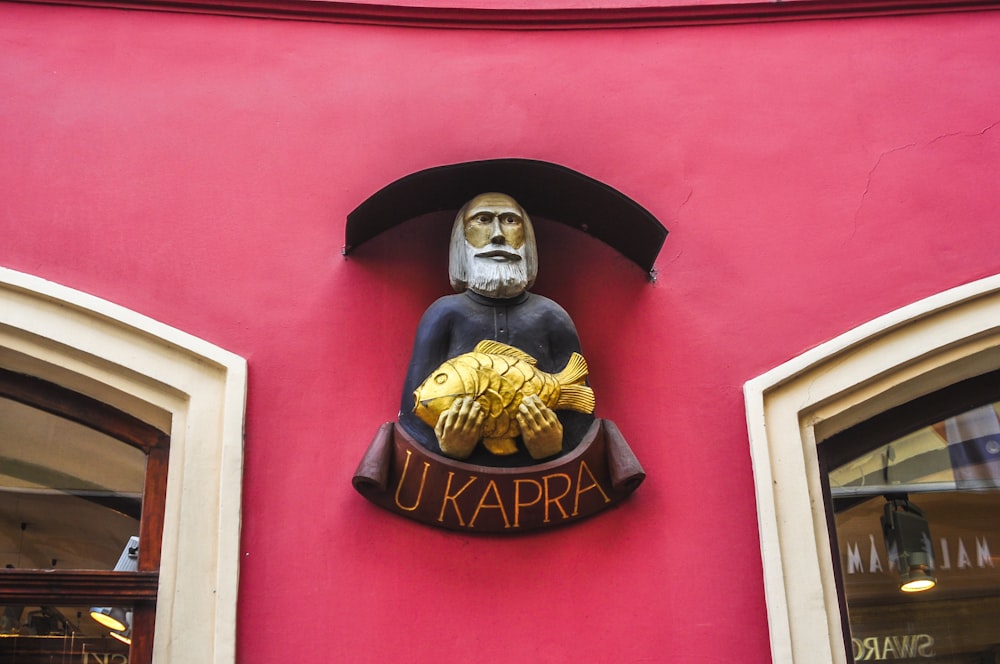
(517, 499)
(905, 645)
(871, 642)
(926, 648)
(549, 501)
(580, 488)
(492, 486)
(105, 658)
(402, 478)
(447, 497)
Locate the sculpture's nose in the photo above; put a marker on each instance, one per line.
(496, 233)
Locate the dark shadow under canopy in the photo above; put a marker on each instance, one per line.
(542, 188)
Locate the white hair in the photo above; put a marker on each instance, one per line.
(459, 263)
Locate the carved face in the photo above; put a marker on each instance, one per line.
(492, 221)
(492, 248)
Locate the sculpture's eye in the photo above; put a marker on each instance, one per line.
(440, 378)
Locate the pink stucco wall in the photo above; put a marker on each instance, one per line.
(198, 169)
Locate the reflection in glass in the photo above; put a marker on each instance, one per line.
(950, 473)
(30, 634)
(69, 496)
(70, 499)
(960, 452)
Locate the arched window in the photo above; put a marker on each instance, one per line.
(83, 487)
(118, 372)
(798, 408)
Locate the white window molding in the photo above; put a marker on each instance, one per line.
(187, 387)
(908, 353)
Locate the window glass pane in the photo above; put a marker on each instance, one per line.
(70, 497)
(942, 488)
(35, 634)
(959, 452)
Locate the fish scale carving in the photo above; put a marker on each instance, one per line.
(499, 377)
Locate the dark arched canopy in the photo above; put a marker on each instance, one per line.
(544, 189)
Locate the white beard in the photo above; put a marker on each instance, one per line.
(492, 278)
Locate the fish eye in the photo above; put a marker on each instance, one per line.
(440, 378)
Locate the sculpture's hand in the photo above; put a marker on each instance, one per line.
(541, 430)
(460, 427)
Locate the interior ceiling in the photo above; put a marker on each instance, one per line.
(70, 497)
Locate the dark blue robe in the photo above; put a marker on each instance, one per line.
(456, 323)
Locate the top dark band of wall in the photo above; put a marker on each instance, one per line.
(722, 12)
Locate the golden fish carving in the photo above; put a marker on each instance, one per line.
(499, 377)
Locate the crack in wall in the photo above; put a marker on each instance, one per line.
(964, 134)
(686, 199)
(868, 182)
(886, 153)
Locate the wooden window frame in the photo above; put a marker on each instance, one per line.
(136, 589)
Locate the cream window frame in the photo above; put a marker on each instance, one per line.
(188, 388)
(893, 359)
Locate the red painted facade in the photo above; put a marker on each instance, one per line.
(198, 169)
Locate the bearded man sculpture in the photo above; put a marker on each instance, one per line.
(492, 264)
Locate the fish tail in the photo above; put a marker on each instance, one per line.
(575, 372)
(576, 397)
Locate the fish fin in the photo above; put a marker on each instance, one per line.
(500, 446)
(575, 371)
(576, 397)
(493, 403)
(467, 374)
(491, 347)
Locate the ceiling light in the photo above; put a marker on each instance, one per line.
(908, 536)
